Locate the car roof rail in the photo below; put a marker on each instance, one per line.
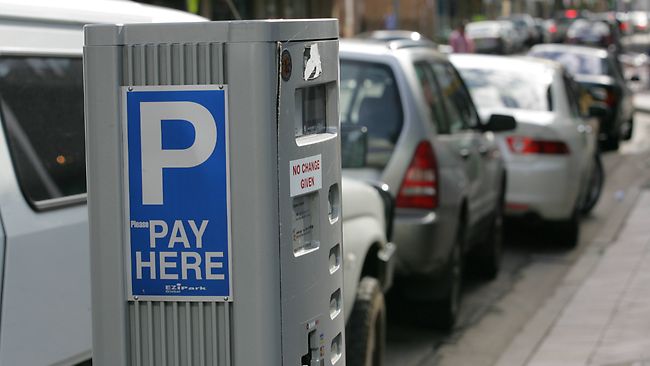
(407, 43)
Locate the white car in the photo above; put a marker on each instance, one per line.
(368, 270)
(554, 170)
(44, 267)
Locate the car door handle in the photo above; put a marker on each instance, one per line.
(464, 153)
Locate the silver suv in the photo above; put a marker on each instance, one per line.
(426, 142)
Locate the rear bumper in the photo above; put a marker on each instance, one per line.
(418, 238)
(546, 187)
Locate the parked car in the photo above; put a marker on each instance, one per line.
(600, 72)
(44, 227)
(426, 142)
(492, 37)
(368, 269)
(542, 31)
(589, 33)
(563, 20)
(554, 168)
(525, 24)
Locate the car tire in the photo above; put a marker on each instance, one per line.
(568, 232)
(366, 330)
(446, 309)
(596, 181)
(486, 258)
(612, 142)
(627, 135)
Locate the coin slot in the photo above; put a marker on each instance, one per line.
(335, 258)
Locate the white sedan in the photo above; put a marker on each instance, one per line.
(554, 171)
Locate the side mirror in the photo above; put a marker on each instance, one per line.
(598, 110)
(500, 123)
(354, 145)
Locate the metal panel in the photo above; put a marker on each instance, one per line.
(176, 333)
(307, 283)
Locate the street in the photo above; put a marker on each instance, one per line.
(537, 278)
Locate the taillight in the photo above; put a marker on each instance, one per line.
(527, 145)
(623, 26)
(552, 28)
(610, 99)
(420, 185)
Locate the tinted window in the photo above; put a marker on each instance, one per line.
(432, 96)
(41, 99)
(448, 88)
(461, 98)
(572, 96)
(369, 97)
(511, 89)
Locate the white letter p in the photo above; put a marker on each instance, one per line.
(155, 158)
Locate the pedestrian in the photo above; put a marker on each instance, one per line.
(459, 41)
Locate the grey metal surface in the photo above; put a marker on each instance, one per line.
(307, 285)
(225, 32)
(247, 331)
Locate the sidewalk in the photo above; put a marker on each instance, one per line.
(607, 321)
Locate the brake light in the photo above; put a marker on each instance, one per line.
(610, 100)
(420, 185)
(552, 28)
(527, 145)
(571, 13)
(623, 26)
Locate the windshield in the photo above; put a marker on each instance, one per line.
(482, 29)
(507, 89)
(369, 98)
(575, 63)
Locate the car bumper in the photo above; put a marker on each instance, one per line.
(416, 235)
(546, 188)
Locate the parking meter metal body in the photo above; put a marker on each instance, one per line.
(213, 159)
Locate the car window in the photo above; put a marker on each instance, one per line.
(462, 99)
(449, 89)
(432, 97)
(41, 100)
(370, 98)
(512, 89)
(576, 64)
(572, 94)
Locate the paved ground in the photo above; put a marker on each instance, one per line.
(504, 321)
(607, 321)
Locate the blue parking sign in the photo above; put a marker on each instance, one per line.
(177, 200)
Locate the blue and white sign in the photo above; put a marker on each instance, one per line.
(178, 227)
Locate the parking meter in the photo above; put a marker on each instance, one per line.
(214, 193)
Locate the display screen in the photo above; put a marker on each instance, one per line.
(313, 110)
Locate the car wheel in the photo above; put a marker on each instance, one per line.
(595, 188)
(629, 129)
(612, 142)
(568, 232)
(486, 258)
(449, 306)
(366, 330)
